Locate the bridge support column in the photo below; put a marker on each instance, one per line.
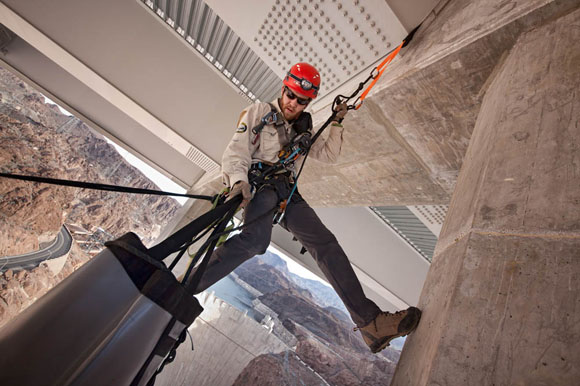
(501, 303)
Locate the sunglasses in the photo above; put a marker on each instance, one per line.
(292, 96)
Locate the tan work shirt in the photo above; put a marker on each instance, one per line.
(245, 149)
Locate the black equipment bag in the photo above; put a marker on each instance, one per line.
(111, 322)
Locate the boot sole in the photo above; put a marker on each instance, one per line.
(407, 326)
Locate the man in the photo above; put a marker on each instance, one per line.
(255, 145)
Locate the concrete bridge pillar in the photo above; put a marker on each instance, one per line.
(501, 303)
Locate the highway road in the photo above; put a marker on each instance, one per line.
(60, 246)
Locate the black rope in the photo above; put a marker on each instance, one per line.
(205, 247)
(187, 245)
(216, 235)
(176, 241)
(409, 37)
(244, 225)
(177, 258)
(98, 186)
(191, 282)
(324, 126)
(374, 73)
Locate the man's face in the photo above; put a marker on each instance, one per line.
(290, 107)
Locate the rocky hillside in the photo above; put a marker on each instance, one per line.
(36, 138)
(327, 343)
(322, 294)
(284, 368)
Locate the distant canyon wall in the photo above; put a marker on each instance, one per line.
(36, 138)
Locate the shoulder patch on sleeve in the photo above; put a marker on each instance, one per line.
(244, 112)
(242, 128)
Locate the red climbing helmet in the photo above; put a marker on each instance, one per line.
(304, 79)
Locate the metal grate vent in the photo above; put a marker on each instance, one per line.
(403, 221)
(431, 215)
(206, 32)
(201, 160)
(338, 37)
(434, 214)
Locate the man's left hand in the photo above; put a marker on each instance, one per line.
(341, 111)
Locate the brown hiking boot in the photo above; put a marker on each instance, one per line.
(387, 326)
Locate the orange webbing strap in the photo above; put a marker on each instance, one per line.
(380, 68)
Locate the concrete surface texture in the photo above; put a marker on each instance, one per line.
(501, 303)
(406, 144)
(225, 341)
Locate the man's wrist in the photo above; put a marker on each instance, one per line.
(237, 177)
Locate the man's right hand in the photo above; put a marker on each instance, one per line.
(244, 188)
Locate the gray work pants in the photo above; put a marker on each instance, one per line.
(305, 225)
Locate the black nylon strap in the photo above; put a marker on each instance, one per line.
(192, 282)
(330, 119)
(266, 120)
(97, 186)
(163, 349)
(409, 37)
(176, 241)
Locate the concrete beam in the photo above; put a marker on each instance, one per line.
(406, 144)
(500, 303)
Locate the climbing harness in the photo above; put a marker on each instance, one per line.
(300, 145)
(120, 318)
(272, 118)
